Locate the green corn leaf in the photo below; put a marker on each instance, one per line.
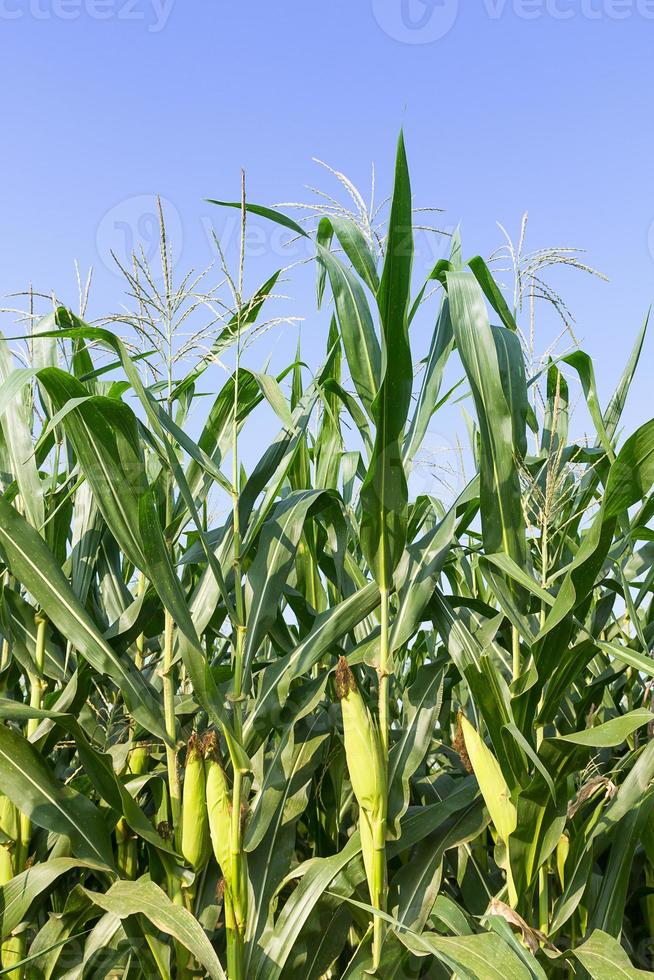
(605, 959)
(15, 424)
(19, 893)
(632, 475)
(279, 540)
(358, 250)
(611, 733)
(33, 564)
(442, 344)
(384, 494)
(501, 508)
(29, 783)
(127, 898)
(482, 957)
(423, 704)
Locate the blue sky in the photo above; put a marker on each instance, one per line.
(507, 105)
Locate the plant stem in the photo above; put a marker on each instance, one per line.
(37, 689)
(36, 680)
(171, 726)
(384, 674)
(379, 827)
(238, 893)
(379, 884)
(543, 900)
(140, 639)
(168, 670)
(5, 649)
(543, 612)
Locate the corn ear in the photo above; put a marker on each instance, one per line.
(195, 824)
(233, 867)
(13, 952)
(13, 947)
(127, 856)
(137, 763)
(495, 791)
(9, 819)
(218, 805)
(562, 850)
(6, 864)
(363, 753)
(362, 745)
(492, 784)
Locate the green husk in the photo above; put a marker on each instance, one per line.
(364, 756)
(362, 745)
(9, 819)
(218, 804)
(232, 862)
(127, 851)
(13, 952)
(196, 846)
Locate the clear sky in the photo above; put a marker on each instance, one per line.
(507, 105)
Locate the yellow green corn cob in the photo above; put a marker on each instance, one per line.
(6, 864)
(13, 947)
(363, 753)
(9, 819)
(233, 865)
(495, 791)
(13, 951)
(195, 824)
(362, 746)
(127, 859)
(492, 784)
(218, 805)
(137, 762)
(562, 850)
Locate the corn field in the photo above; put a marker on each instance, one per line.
(294, 719)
